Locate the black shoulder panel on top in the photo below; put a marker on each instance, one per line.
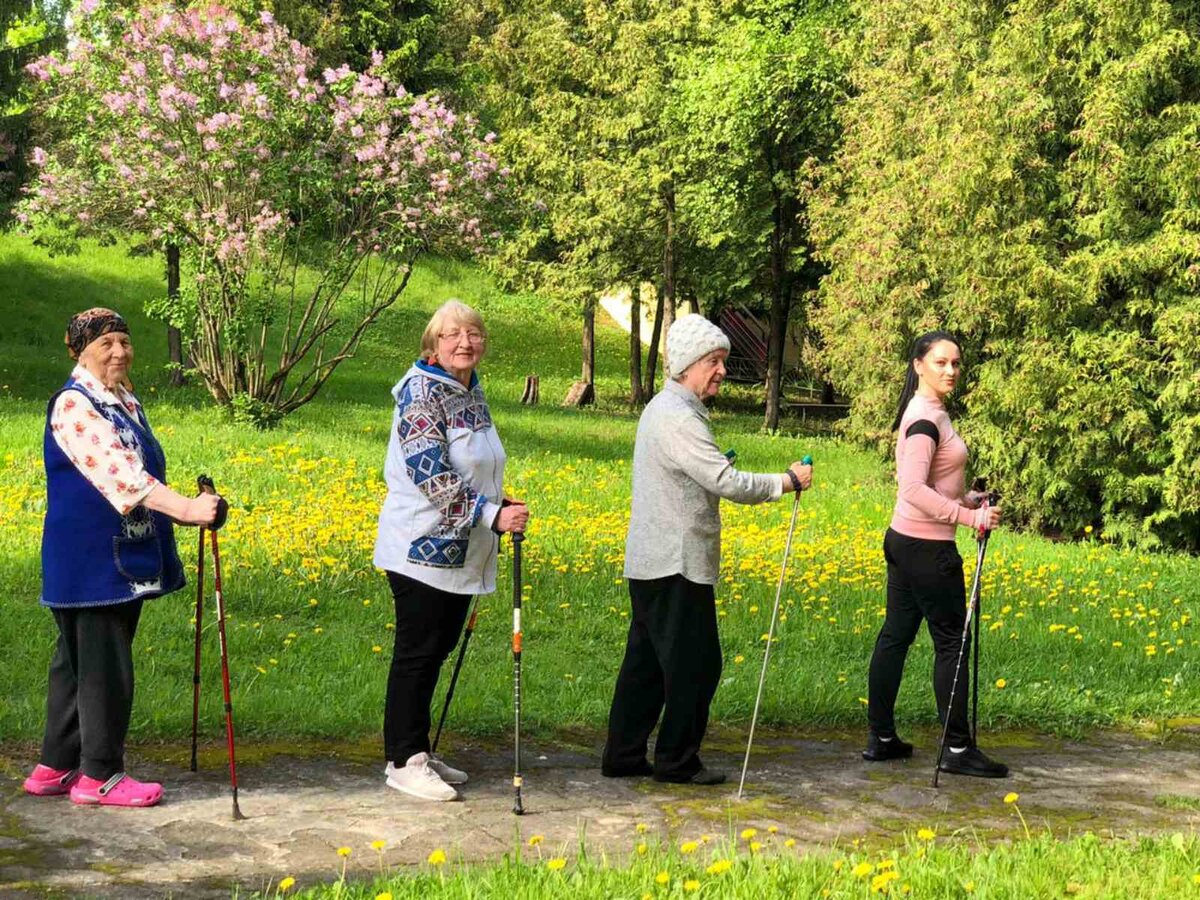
(925, 427)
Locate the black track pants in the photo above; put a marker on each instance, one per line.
(428, 623)
(90, 690)
(672, 667)
(924, 581)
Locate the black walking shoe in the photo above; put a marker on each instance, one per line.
(879, 750)
(641, 770)
(704, 776)
(972, 762)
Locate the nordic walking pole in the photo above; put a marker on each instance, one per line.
(206, 485)
(981, 539)
(762, 677)
(462, 653)
(196, 665)
(975, 667)
(517, 538)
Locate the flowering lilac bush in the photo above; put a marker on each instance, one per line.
(194, 127)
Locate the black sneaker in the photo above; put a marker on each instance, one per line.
(972, 761)
(640, 770)
(879, 750)
(704, 777)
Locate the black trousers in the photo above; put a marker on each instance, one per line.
(925, 581)
(672, 667)
(90, 692)
(428, 623)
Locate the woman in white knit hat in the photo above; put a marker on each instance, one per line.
(672, 659)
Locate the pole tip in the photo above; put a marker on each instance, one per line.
(237, 813)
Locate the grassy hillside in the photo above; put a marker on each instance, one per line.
(1076, 634)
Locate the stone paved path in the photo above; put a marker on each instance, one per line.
(303, 804)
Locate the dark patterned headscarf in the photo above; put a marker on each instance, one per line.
(90, 324)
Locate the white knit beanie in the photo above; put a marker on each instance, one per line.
(691, 338)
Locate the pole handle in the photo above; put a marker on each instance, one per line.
(206, 486)
(806, 460)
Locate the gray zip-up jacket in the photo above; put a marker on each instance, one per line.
(679, 478)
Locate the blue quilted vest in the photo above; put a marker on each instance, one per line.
(91, 554)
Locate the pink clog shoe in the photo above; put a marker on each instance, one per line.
(120, 790)
(44, 781)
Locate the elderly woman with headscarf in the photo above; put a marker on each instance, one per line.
(107, 546)
(672, 556)
(438, 532)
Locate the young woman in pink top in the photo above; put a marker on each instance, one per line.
(925, 570)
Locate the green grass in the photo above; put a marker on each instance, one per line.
(961, 867)
(1068, 626)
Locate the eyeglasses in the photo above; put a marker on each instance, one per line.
(453, 337)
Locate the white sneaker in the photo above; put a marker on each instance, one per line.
(418, 779)
(446, 772)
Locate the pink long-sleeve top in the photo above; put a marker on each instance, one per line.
(931, 475)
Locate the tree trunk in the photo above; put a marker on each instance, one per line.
(655, 337)
(781, 301)
(636, 397)
(174, 338)
(780, 307)
(583, 392)
(589, 342)
(668, 300)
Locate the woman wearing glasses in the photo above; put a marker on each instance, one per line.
(438, 532)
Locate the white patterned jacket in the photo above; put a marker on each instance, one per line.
(445, 480)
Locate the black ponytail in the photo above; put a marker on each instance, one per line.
(920, 347)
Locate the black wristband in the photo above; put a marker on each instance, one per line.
(795, 481)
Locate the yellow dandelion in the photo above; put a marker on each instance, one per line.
(536, 839)
(1001, 683)
(772, 829)
(738, 660)
(1012, 797)
(386, 895)
(862, 870)
(378, 845)
(662, 877)
(376, 649)
(343, 851)
(721, 865)
(641, 849)
(748, 833)
(688, 847)
(555, 864)
(286, 883)
(755, 846)
(642, 828)
(691, 885)
(879, 884)
(437, 857)
(926, 834)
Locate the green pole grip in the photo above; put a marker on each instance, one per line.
(807, 460)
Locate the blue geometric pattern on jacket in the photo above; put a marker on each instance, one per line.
(429, 409)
